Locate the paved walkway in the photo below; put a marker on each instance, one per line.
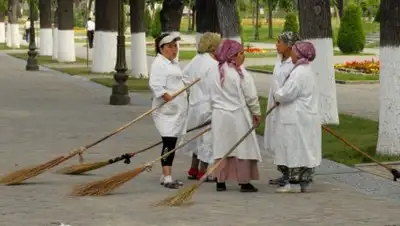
(45, 114)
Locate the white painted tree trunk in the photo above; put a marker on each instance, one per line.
(323, 68)
(389, 111)
(104, 52)
(55, 44)
(15, 36)
(8, 33)
(66, 46)
(139, 55)
(2, 32)
(46, 42)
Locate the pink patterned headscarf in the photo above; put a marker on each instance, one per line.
(305, 52)
(225, 54)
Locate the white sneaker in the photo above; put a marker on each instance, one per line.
(305, 187)
(162, 179)
(289, 188)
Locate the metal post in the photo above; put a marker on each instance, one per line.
(31, 64)
(120, 92)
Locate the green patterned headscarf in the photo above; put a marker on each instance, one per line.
(289, 38)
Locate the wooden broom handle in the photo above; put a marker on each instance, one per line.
(84, 148)
(354, 147)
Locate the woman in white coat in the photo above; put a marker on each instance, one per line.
(200, 102)
(235, 108)
(283, 67)
(165, 80)
(298, 142)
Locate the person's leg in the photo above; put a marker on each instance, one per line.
(194, 168)
(91, 38)
(169, 144)
(220, 182)
(247, 170)
(299, 180)
(281, 181)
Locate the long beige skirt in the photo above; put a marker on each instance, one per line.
(238, 170)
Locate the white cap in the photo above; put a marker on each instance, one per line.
(168, 39)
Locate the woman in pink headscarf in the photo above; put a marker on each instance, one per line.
(298, 145)
(235, 108)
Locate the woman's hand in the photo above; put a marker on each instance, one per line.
(256, 119)
(166, 97)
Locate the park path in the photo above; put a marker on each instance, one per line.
(46, 113)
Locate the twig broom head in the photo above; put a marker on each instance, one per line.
(82, 168)
(183, 195)
(103, 187)
(19, 176)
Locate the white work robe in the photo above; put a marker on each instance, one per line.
(231, 117)
(166, 77)
(297, 142)
(281, 71)
(199, 104)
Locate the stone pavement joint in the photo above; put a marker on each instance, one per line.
(46, 113)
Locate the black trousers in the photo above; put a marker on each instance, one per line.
(90, 35)
(169, 144)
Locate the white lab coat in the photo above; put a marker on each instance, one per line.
(297, 142)
(281, 71)
(199, 104)
(166, 77)
(231, 117)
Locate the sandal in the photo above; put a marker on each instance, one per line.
(173, 185)
(179, 183)
(279, 181)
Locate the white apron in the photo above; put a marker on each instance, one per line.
(231, 118)
(170, 119)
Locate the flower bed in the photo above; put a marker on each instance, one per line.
(256, 50)
(370, 67)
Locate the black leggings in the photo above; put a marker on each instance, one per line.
(169, 144)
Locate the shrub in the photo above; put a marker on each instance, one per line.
(240, 24)
(156, 26)
(291, 23)
(378, 16)
(351, 37)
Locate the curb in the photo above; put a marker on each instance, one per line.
(343, 82)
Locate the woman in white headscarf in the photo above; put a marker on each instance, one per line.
(170, 119)
(200, 102)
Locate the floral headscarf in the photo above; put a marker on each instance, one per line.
(225, 54)
(209, 42)
(289, 38)
(305, 52)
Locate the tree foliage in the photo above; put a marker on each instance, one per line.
(156, 25)
(291, 23)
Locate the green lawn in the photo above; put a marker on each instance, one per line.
(80, 71)
(3, 46)
(44, 59)
(338, 75)
(134, 85)
(363, 133)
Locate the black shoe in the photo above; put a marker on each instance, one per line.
(221, 186)
(279, 181)
(248, 188)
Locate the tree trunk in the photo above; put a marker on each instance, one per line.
(389, 126)
(2, 28)
(170, 16)
(207, 20)
(315, 26)
(55, 31)
(13, 27)
(270, 26)
(194, 18)
(138, 39)
(228, 20)
(105, 36)
(66, 37)
(340, 7)
(46, 33)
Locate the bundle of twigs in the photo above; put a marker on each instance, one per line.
(186, 193)
(393, 171)
(21, 175)
(83, 168)
(102, 187)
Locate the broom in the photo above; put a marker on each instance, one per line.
(186, 194)
(82, 168)
(21, 175)
(105, 186)
(393, 171)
